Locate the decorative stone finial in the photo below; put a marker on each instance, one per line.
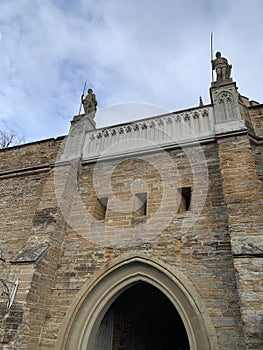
(89, 102)
(222, 67)
(200, 101)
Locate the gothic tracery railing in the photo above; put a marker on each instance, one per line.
(160, 131)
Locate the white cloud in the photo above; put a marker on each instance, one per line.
(129, 51)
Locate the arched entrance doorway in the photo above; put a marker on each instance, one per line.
(142, 318)
(124, 282)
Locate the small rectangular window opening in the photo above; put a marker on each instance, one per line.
(101, 208)
(140, 205)
(185, 203)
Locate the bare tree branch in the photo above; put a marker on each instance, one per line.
(10, 138)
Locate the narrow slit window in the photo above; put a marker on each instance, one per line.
(185, 201)
(140, 205)
(101, 208)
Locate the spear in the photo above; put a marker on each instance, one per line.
(82, 95)
(212, 55)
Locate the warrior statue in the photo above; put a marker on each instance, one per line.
(89, 102)
(222, 67)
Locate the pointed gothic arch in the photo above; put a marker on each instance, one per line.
(85, 315)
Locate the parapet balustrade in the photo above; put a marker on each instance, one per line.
(150, 133)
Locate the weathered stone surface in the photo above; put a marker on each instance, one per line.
(217, 256)
(252, 245)
(30, 254)
(242, 187)
(9, 322)
(44, 217)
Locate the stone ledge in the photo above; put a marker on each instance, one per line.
(230, 127)
(26, 171)
(222, 82)
(247, 246)
(30, 254)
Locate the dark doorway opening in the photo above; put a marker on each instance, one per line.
(142, 318)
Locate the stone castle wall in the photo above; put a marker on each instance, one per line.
(57, 237)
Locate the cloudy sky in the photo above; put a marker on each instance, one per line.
(144, 51)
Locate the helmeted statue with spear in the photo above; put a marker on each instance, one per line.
(222, 67)
(89, 102)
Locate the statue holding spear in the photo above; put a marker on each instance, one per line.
(89, 102)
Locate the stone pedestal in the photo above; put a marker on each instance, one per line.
(224, 96)
(80, 125)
